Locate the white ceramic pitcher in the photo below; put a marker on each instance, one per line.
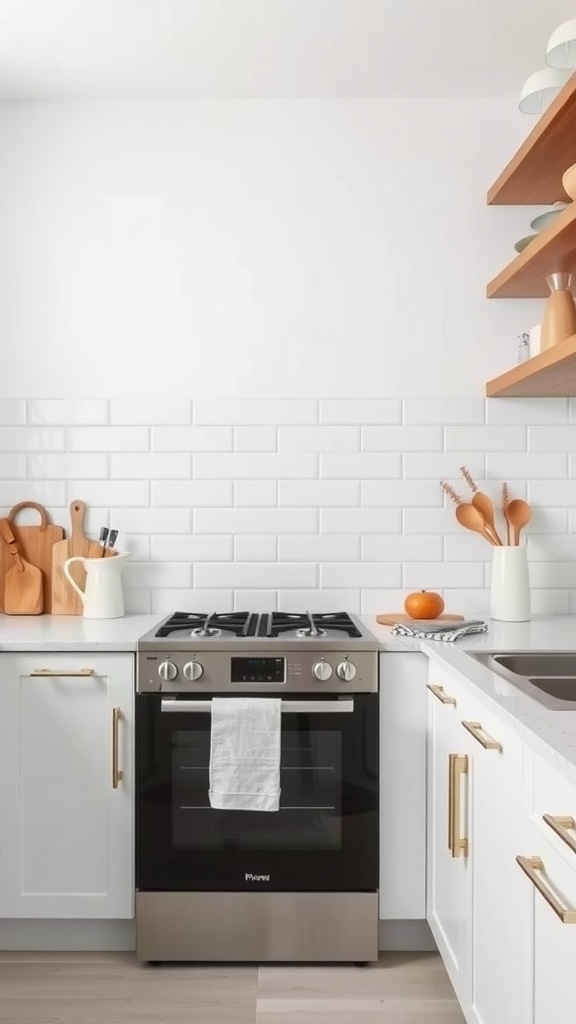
(102, 597)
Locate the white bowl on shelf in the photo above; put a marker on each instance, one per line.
(521, 244)
(544, 219)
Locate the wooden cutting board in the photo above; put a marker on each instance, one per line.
(392, 618)
(22, 591)
(65, 600)
(35, 545)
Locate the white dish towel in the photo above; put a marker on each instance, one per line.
(245, 753)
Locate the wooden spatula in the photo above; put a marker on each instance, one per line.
(22, 582)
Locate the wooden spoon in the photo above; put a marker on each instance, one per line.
(486, 509)
(472, 519)
(518, 514)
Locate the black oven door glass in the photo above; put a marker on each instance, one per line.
(325, 835)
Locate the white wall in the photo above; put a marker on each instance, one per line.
(256, 247)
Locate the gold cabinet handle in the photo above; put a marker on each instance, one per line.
(475, 729)
(62, 672)
(438, 691)
(117, 773)
(457, 767)
(562, 826)
(530, 866)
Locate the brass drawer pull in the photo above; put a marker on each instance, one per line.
(475, 729)
(117, 773)
(438, 691)
(530, 866)
(457, 767)
(62, 672)
(562, 826)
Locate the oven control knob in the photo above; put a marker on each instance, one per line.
(167, 671)
(322, 670)
(346, 670)
(193, 671)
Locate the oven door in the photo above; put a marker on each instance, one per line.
(325, 835)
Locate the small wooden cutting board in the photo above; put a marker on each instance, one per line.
(35, 545)
(65, 600)
(392, 618)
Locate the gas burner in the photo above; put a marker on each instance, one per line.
(196, 625)
(311, 626)
(310, 630)
(205, 631)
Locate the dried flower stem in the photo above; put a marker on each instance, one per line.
(505, 503)
(469, 479)
(449, 490)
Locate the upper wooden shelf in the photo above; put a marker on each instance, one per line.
(534, 174)
(554, 249)
(552, 374)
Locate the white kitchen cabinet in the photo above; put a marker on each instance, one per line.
(403, 705)
(66, 785)
(449, 902)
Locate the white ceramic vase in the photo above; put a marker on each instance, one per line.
(510, 589)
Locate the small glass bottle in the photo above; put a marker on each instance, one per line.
(523, 348)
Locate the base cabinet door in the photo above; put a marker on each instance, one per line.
(66, 785)
(555, 945)
(449, 867)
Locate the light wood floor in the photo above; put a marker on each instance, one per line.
(113, 988)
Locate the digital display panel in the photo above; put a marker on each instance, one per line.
(257, 670)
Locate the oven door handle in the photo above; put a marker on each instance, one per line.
(314, 707)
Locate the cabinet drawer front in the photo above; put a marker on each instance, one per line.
(553, 810)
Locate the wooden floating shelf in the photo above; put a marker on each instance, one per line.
(534, 174)
(552, 374)
(554, 249)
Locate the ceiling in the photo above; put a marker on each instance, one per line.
(272, 48)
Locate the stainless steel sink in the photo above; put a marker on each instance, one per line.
(549, 678)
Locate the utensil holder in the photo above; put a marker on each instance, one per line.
(510, 589)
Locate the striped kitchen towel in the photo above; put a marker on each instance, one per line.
(429, 631)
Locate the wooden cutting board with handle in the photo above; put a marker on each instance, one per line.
(391, 619)
(22, 590)
(65, 600)
(35, 545)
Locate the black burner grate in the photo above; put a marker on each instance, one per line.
(233, 623)
(289, 622)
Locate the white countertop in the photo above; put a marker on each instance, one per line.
(72, 632)
(542, 633)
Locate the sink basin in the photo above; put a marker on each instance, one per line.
(549, 678)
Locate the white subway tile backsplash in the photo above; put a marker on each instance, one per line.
(550, 602)
(485, 439)
(360, 520)
(526, 410)
(360, 466)
(255, 520)
(319, 548)
(401, 493)
(254, 465)
(248, 548)
(254, 493)
(67, 466)
(12, 411)
(444, 410)
(552, 439)
(192, 492)
(255, 574)
(377, 547)
(444, 466)
(192, 439)
(319, 600)
(531, 465)
(319, 492)
(435, 575)
(402, 439)
(255, 410)
(108, 439)
(157, 466)
(255, 439)
(110, 492)
(47, 492)
(49, 411)
(185, 547)
(319, 439)
(147, 411)
(137, 602)
(360, 574)
(360, 412)
(32, 439)
(329, 504)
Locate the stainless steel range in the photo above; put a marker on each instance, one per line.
(297, 884)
